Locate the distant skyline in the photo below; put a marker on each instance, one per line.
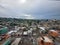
(30, 9)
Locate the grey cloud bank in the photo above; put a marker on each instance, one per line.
(30, 9)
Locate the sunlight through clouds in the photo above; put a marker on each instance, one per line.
(23, 1)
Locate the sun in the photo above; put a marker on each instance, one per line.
(22, 1)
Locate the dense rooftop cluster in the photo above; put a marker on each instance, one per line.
(29, 32)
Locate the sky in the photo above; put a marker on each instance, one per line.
(30, 9)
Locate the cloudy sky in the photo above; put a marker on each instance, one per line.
(30, 9)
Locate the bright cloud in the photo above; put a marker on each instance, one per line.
(28, 16)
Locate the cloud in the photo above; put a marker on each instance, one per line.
(25, 16)
(28, 16)
(29, 9)
(55, 0)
